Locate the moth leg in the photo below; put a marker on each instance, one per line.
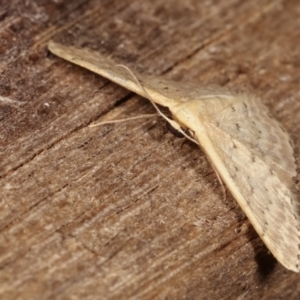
(173, 123)
(221, 183)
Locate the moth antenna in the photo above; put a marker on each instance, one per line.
(124, 120)
(171, 122)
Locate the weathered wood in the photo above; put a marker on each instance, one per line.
(128, 210)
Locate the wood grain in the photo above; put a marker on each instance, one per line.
(128, 211)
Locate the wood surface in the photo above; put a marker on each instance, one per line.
(129, 211)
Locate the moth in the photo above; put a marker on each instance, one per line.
(248, 148)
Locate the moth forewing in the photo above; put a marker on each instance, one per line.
(248, 148)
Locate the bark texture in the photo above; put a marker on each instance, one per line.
(128, 211)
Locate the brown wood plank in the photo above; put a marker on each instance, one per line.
(128, 211)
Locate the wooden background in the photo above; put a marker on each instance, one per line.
(128, 211)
